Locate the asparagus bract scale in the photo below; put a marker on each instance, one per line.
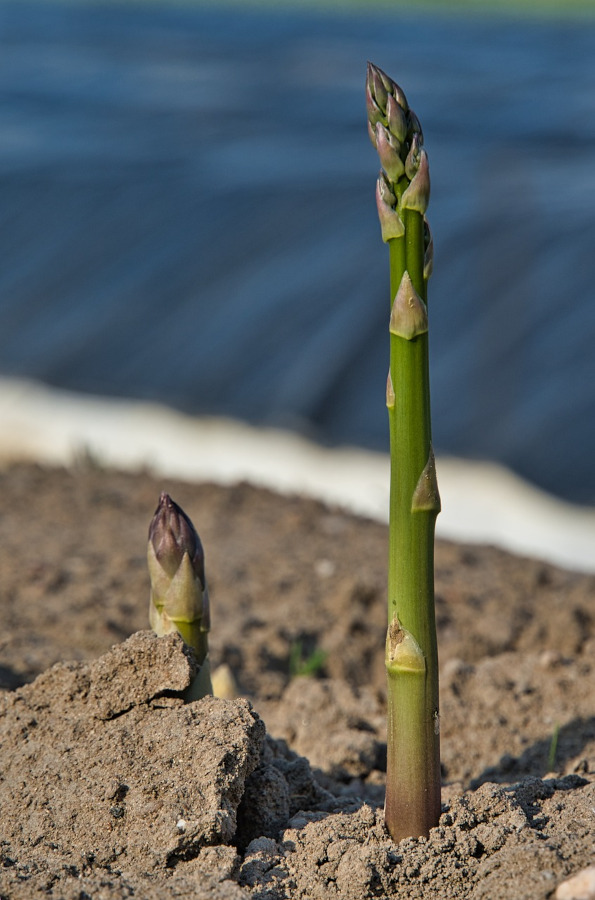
(402, 196)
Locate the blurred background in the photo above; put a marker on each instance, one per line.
(187, 217)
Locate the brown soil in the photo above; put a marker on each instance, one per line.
(111, 787)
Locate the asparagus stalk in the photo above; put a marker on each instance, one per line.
(179, 595)
(402, 194)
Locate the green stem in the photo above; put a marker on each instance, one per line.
(413, 763)
(409, 808)
(413, 743)
(193, 635)
(414, 253)
(201, 685)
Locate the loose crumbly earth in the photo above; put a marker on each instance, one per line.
(111, 787)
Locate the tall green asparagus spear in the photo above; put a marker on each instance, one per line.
(402, 194)
(179, 594)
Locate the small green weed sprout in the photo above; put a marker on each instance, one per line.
(303, 663)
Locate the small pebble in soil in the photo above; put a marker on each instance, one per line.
(580, 887)
(324, 568)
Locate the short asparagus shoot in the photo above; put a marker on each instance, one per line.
(413, 741)
(179, 595)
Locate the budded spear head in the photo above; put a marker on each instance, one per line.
(179, 595)
(172, 534)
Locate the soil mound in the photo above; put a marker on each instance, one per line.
(112, 787)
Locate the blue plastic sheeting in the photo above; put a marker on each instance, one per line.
(187, 215)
